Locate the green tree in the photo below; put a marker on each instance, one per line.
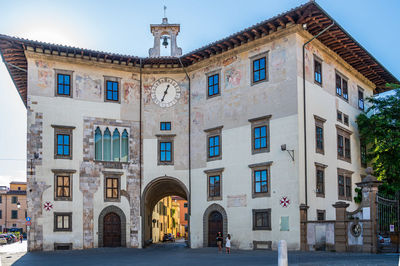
(379, 129)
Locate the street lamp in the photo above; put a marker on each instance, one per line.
(18, 205)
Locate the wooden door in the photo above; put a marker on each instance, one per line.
(214, 226)
(112, 230)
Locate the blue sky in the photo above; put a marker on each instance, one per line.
(123, 27)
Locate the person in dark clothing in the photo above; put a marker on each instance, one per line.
(219, 241)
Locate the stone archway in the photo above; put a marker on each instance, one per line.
(121, 214)
(157, 189)
(214, 208)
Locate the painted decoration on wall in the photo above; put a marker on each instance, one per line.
(48, 206)
(87, 87)
(232, 77)
(285, 202)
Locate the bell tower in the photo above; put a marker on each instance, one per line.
(165, 32)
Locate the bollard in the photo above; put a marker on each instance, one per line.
(282, 253)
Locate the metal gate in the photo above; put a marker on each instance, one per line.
(388, 212)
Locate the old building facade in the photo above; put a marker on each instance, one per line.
(222, 127)
(13, 207)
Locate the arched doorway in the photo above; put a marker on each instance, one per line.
(112, 230)
(112, 227)
(156, 190)
(214, 226)
(214, 220)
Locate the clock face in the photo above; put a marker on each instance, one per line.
(165, 92)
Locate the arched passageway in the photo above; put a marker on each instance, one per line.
(156, 190)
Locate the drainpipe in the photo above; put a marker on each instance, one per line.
(190, 157)
(304, 109)
(140, 130)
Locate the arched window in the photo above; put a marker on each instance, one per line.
(124, 146)
(116, 145)
(107, 145)
(98, 145)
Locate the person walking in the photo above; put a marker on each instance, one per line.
(228, 244)
(219, 241)
(20, 238)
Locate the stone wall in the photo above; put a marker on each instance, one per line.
(90, 174)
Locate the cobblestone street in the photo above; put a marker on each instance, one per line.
(177, 254)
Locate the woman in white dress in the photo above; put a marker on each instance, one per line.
(228, 244)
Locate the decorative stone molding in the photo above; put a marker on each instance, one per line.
(121, 215)
(207, 212)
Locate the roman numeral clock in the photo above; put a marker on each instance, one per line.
(165, 92)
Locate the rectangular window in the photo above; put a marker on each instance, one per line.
(261, 181)
(347, 148)
(321, 215)
(341, 185)
(262, 219)
(319, 134)
(14, 199)
(63, 142)
(360, 99)
(344, 184)
(348, 187)
(186, 217)
(259, 68)
(165, 126)
(339, 116)
(112, 91)
(1, 199)
(363, 153)
(260, 137)
(112, 188)
(62, 221)
(213, 85)
(63, 186)
(345, 90)
(338, 85)
(213, 146)
(318, 71)
(63, 84)
(1, 214)
(214, 143)
(63, 145)
(342, 87)
(214, 186)
(14, 214)
(340, 146)
(165, 151)
(185, 205)
(260, 134)
(343, 144)
(320, 181)
(345, 119)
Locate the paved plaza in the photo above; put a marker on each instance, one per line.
(178, 254)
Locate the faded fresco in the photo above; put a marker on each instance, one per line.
(233, 76)
(87, 87)
(130, 92)
(43, 79)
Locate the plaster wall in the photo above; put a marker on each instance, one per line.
(87, 102)
(323, 102)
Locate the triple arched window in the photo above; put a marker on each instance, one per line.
(111, 145)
